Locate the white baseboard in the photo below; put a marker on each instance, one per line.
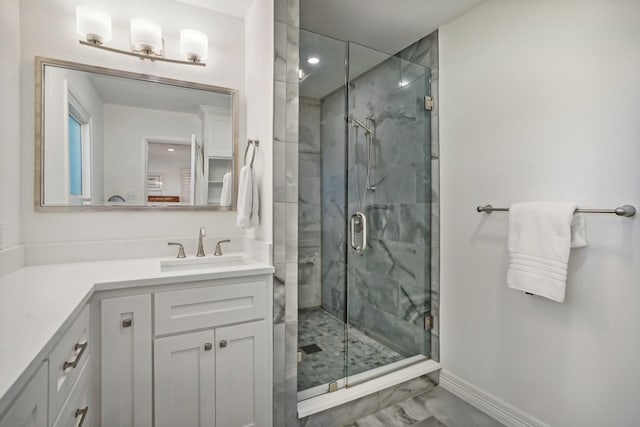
(488, 403)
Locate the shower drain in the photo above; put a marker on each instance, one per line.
(311, 348)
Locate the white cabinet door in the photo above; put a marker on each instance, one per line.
(242, 366)
(126, 361)
(185, 380)
(30, 410)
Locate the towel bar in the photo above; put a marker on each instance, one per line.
(625, 210)
(255, 143)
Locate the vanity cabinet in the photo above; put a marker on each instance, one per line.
(30, 409)
(210, 356)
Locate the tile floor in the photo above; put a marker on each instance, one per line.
(318, 327)
(434, 408)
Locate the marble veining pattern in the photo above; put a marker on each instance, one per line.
(285, 195)
(309, 206)
(436, 407)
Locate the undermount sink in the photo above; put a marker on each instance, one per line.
(194, 263)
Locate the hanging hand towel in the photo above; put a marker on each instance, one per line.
(247, 199)
(226, 193)
(255, 200)
(540, 238)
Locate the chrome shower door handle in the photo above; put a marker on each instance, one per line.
(360, 219)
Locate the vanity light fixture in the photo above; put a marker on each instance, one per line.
(171, 149)
(146, 38)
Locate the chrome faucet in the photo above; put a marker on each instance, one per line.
(218, 251)
(200, 244)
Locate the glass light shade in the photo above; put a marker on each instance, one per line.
(194, 45)
(146, 36)
(92, 25)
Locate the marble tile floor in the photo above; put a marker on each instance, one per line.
(434, 408)
(316, 326)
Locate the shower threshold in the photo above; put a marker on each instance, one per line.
(364, 384)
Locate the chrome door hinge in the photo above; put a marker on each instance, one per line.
(299, 357)
(428, 103)
(428, 322)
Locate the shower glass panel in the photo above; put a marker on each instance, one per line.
(364, 158)
(389, 194)
(322, 257)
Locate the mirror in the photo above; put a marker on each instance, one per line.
(110, 139)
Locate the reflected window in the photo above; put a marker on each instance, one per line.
(79, 148)
(75, 157)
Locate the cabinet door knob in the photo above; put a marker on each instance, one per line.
(223, 343)
(126, 323)
(208, 346)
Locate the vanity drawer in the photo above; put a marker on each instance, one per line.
(76, 409)
(67, 361)
(201, 308)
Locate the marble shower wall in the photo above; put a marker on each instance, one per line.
(285, 215)
(334, 221)
(309, 241)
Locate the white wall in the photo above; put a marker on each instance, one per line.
(125, 155)
(259, 86)
(540, 100)
(9, 122)
(48, 29)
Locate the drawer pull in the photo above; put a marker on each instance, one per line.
(82, 413)
(126, 323)
(208, 346)
(223, 343)
(82, 347)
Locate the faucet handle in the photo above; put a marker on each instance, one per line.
(180, 249)
(218, 251)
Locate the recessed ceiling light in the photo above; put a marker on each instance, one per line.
(313, 60)
(171, 149)
(403, 83)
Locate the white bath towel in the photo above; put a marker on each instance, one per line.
(540, 239)
(226, 194)
(248, 203)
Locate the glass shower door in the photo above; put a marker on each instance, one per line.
(388, 183)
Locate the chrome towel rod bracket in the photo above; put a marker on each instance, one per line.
(625, 210)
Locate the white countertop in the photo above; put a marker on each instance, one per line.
(37, 301)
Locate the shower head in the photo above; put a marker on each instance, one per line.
(357, 123)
